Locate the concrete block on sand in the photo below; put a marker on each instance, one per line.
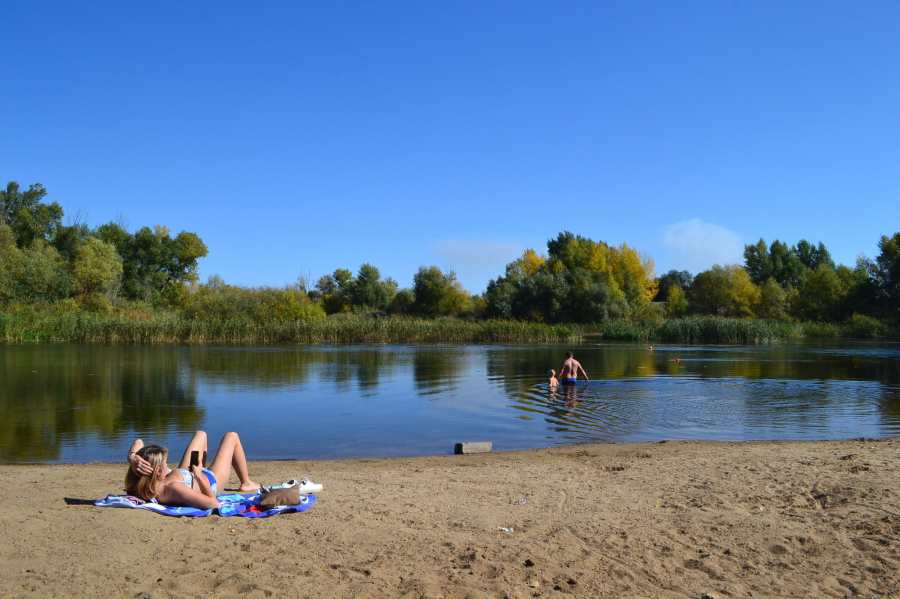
(477, 447)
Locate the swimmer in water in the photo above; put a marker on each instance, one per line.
(569, 371)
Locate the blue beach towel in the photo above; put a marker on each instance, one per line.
(230, 505)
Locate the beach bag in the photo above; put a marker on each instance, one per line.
(279, 498)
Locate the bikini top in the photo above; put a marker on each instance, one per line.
(188, 481)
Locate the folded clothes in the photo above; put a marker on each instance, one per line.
(229, 505)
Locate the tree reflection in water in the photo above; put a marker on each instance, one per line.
(79, 401)
(52, 393)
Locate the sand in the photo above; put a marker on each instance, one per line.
(671, 519)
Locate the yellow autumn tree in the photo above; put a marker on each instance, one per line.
(527, 265)
(634, 273)
(724, 291)
(580, 280)
(532, 262)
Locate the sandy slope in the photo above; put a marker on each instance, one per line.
(675, 519)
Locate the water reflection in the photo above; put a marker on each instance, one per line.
(54, 394)
(80, 403)
(276, 367)
(578, 410)
(438, 370)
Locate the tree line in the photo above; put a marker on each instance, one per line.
(796, 282)
(45, 264)
(43, 260)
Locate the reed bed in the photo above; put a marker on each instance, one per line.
(172, 328)
(719, 330)
(702, 329)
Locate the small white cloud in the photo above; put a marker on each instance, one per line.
(695, 245)
(476, 262)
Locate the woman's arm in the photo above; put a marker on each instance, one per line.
(201, 481)
(138, 465)
(178, 494)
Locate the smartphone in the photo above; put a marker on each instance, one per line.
(195, 458)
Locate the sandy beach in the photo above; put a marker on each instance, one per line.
(671, 519)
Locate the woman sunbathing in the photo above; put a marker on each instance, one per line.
(150, 479)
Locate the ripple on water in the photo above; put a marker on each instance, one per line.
(692, 407)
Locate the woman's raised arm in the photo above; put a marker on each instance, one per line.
(138, 465)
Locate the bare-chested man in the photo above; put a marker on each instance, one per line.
(568, 374)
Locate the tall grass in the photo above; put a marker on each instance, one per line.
(702, 329)
(718, 330)
(169, 327)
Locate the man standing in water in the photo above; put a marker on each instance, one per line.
(568, 374)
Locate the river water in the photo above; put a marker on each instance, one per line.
(82, 403)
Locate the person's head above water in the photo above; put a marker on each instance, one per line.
(569, 355)
(552, 373)
(145, 486)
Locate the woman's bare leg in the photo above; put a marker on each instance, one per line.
(198, 443)
(231, 454)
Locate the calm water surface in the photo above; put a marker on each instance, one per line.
(80, 403)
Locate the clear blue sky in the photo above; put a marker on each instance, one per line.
(297, 138)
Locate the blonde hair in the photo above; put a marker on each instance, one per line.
(552, 373)
(144, 486)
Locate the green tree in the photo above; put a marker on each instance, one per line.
(774, 300)
(97, 269)
(281, 305)
(113, 234)
(886, 273)
(710, 291)
(676, 302)
(625, 271)
(786, 266)
(500, 295)
(216, 301)
(821, 296)
(35, 274)
(581, 281)
(437, 293)
(757, 262)
(539, 297)
(813, 256)
(8, 256)
(589, 298)
(334, 292)
(324, 286)
(27, 216)
(403, 302)
(863, 295)
(155, 264)
(676, 278)
(476, 307)
(780, 261)
(724, 291)
(367, 290)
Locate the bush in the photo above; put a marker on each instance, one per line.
(94, 302)
(260, 305)
(866, 327)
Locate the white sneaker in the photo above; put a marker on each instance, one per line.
(307, 487)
